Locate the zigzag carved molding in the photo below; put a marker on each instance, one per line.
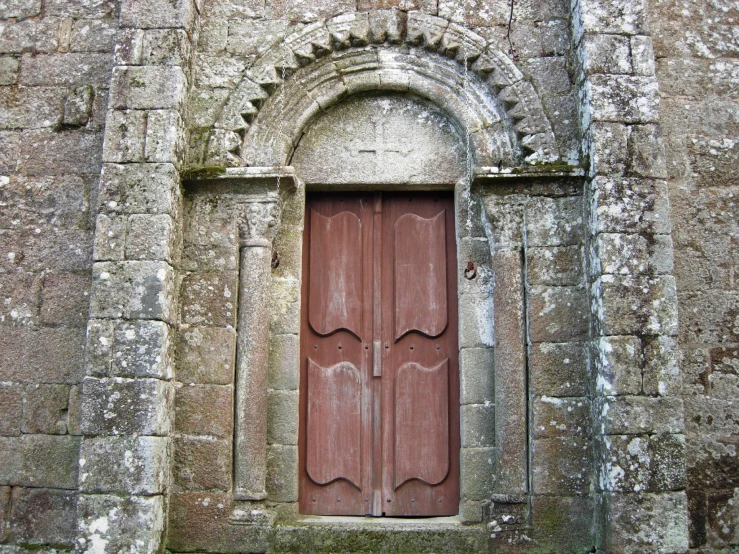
(377, 27)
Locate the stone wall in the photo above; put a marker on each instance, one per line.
(696, 53)
(55, 63)
(615, 423)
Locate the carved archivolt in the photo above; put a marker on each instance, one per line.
(378, 50)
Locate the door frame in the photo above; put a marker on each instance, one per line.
(489, 445)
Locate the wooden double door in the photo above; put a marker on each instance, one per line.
(379, 396)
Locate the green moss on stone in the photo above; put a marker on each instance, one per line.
(208, 172)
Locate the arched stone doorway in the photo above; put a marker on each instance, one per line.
(317, 113)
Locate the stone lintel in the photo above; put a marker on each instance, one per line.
(272, 181)
(486, 175)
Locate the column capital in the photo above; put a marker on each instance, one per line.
(258, 222)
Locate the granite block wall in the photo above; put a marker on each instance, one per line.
(696, 64)
(119, 293)
(55, 69)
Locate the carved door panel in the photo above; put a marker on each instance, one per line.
(379, 405)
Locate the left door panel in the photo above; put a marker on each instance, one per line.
(336, 334)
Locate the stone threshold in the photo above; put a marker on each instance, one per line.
(368, 534)
(381, 522)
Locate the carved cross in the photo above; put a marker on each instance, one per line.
(380, 146)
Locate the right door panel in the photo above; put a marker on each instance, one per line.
(420, 381)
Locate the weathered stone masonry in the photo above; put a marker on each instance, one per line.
(149, 322)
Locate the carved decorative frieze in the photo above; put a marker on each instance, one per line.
(523, 109)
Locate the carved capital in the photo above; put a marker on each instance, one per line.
(258, 223)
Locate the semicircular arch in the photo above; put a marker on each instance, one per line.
(323, 63)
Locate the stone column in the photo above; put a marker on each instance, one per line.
(257, 228)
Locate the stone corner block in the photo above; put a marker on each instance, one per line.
(661, 518)
(627, 415)
(110, 238)
(158, 14)
(149, 87)
(151, 237)
(618, 362)
(133, 290)
(124, 465)
(165, 138)
(99, 347)
(140, 188)
(115, 523)
(125, 133)
(143, 348)
(639, 305)
(117, 406)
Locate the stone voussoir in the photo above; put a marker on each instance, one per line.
(432, 33)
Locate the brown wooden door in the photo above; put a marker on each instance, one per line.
(379, 397)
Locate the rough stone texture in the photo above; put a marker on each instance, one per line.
(210, 299)
(46, 355)
(117, 406)
(559, 369)
(204, 410)
(561, 465)
(202, 464)
(477, 375)
(144, 470)
(45, 409)
(701, 146)
(65, 299)
(557, 314)
(40, 461)
(11, 409)
(114, 523)
(142, 349)
(386, 130)
(662, 521)
(42, 516)
(206, 355)
(282, 473)
(140, 188)
(643, 89)
(132, 289)
(559, 522)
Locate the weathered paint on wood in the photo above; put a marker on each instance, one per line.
(422, 423)
(336, 273)
(334, 423)
(420, 275)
